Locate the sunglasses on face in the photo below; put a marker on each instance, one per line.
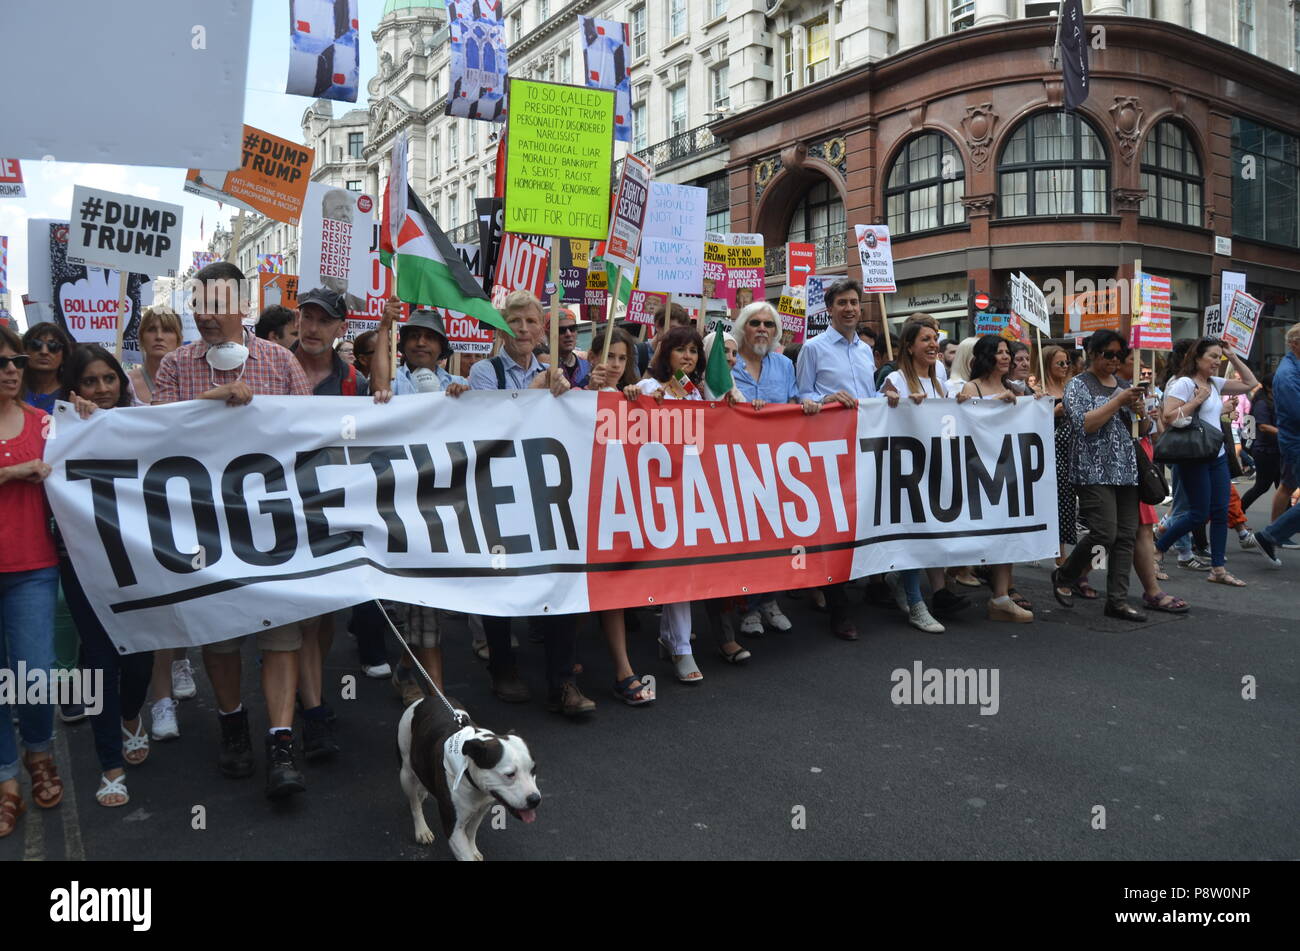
(766, 324)
(1112, 354)
(18, 363)
(363, 353)
(52, 346)
(568, 330)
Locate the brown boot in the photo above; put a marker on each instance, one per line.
(571, 702)
(509, 688)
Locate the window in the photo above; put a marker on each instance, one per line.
(819, 215)
(1265, 183)
(471, 196)
(677, 117)
(516, 26)
(355, 140)
(543, 10)
(471, 138)
(717, 8)
(819, 50)
(354, 186)
(721, 91)
(788, 58)
(639, 140)
(1054, 164)
(925, 186)
(961, 14)
(1246, 25)
(566, 67)
(435, 157)
(1171, 174)
(676, 18)
(1049, 9)
(453, 145)
(718, 220)
(638, 32)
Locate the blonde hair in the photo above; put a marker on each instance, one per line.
(167, 320)
(1293, 336)
(520, 300)
(960, 369)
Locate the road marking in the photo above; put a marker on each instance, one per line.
(72, 846)
(34, 830)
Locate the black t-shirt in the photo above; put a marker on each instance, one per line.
(1265, 443)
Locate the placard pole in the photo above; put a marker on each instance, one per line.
(884, 324)
(123, 312)
(609, 318)
(236, 234)
(555, 307)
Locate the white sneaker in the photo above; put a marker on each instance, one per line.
(775, 617)
(182, 680)
(751, 623)
(163, 719)
(896, 588)
(378, 672)
(919, 616)
(1248, 541)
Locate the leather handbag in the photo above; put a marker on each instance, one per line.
(1195, 442)
(1152, 487)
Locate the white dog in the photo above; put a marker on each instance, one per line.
(465, 769)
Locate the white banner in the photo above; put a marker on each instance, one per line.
(195, 522)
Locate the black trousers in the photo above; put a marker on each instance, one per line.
(1268, 473)
(559, 639)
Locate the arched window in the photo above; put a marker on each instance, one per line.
(1171, 174)
(819, 215)
(1054, 164)
(925, 186)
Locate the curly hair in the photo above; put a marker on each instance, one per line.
(661, 366)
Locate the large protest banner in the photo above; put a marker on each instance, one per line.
(478, 60)
(271, 177)
(125, 232)
(559, 152)
(467, 335)
(82, 77)
(334, 244)
(672, 246)
(605, 55)
(323, 45)
(11, 179)
(194, 522)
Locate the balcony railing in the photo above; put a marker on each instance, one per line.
(464, 234)
(691, 144)
(830, 255)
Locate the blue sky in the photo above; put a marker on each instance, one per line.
(266, 106)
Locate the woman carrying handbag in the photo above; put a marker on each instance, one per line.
(1193, 443)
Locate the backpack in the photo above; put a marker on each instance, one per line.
(348, 386)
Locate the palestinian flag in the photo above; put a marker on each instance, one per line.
(429, 269)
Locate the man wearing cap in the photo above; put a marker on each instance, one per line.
(422, 342)
(231, 365)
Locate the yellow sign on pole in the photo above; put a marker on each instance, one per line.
(559, 158)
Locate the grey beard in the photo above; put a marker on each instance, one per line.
(761, 349)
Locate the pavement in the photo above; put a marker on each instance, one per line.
(800, 753)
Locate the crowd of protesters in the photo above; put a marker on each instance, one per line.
(1109, 423)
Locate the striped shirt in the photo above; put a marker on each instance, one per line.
(271, 370)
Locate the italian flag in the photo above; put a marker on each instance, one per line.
(429, 269)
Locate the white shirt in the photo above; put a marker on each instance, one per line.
(954, 387)
(651, 386)
(899, 383)
(1184, 388)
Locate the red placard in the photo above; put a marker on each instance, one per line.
(800, 261)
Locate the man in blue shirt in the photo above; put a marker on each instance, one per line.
(1286, 408)
(835, 365)
(761, 374)
(422, 342)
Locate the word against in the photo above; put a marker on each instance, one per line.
(949, 686)
(77, 904)
(38, 687)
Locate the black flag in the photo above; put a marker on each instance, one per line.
(1073, 50)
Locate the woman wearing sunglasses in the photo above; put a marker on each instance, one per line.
(48, 345)
(1101, 406)
(29, 579)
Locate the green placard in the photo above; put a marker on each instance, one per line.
(559, 158)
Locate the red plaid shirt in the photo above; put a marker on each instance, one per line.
(271, 370)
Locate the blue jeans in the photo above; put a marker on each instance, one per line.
(1182, 543)
(1207, 486)
(911, 582)
(1288, 523)
(27, 601)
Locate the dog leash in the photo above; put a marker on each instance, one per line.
(461, 719)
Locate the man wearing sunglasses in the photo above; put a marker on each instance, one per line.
(46, 345)
(576, 370)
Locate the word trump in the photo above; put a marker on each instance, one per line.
(141, 231)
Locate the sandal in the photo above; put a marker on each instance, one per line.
(1225, 578)
(1160, 601)
(135, 746)
(112, 787)
(636, 696)
(47, 788)
(1020, 600)
(1084, 590)
(683, 664)
(11, 807)
(738, 656)
(1063, 592)
(965, 579)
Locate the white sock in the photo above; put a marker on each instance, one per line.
(280, 729)
(232, 712)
